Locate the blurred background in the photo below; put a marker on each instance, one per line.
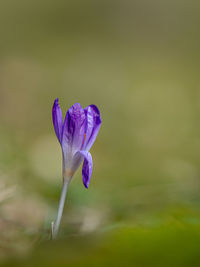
(139, 62)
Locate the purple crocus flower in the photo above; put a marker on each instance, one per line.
(76, 136)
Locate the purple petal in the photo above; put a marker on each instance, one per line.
(74, 128)
(57, 120)
(93, 124)
(87, 167)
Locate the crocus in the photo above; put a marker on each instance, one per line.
(76, 136)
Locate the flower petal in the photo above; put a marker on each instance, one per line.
(57, 120)
(93, 124)
(87, 167)
(73, 128)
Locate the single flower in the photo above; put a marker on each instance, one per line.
(76, 136)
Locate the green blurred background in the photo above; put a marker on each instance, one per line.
(139, 62)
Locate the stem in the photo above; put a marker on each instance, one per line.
(56, 225)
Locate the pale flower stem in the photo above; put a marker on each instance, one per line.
(56, 224)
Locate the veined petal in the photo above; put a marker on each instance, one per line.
(57, 120)
(73, 129)
(93, 124)
(87, 165)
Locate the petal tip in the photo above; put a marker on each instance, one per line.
(97, 115)
(76, 108)
(86, 186)
(77, 105)
(56, 101)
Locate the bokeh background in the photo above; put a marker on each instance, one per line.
(139, 62)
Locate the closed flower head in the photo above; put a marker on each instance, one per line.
(76, 136)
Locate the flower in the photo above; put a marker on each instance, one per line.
(76, 136)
